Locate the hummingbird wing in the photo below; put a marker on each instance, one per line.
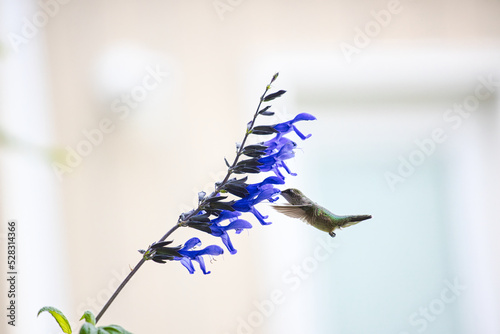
(294, 211)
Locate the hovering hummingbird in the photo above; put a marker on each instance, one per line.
(310, 212)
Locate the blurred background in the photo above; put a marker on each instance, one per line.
(114, 114)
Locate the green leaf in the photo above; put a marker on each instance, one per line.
(89, 317)
(59, 316)
(113, 329)
(88, 328)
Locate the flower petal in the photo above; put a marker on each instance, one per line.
(227, 242)
(304, 117)
(201, 262)
(186, 262)
(286, 127)
(238, 225)
(193, 242)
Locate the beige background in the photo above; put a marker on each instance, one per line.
(131, 187)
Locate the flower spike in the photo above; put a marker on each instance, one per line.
(217, 214)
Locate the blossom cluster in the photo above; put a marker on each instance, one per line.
(215, 214)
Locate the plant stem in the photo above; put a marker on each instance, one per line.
(238, 154)
(129, 276)
(200, 206)
(119, 289)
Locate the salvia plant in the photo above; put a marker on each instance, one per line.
(219, 213)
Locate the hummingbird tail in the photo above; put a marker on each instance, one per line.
(359, 218)
(353, 220)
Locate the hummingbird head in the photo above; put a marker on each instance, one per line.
(293, 196)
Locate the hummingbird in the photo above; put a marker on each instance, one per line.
(314, 214)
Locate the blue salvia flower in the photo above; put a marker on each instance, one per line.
(286, 127)
(221, 231)
(214, 227)
(216, 216)
(281, 148)
(274, 161)
(257, 193)
(161, 252)
(188, 256)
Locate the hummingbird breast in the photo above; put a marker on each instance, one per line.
(323, 219)
(327, 221)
